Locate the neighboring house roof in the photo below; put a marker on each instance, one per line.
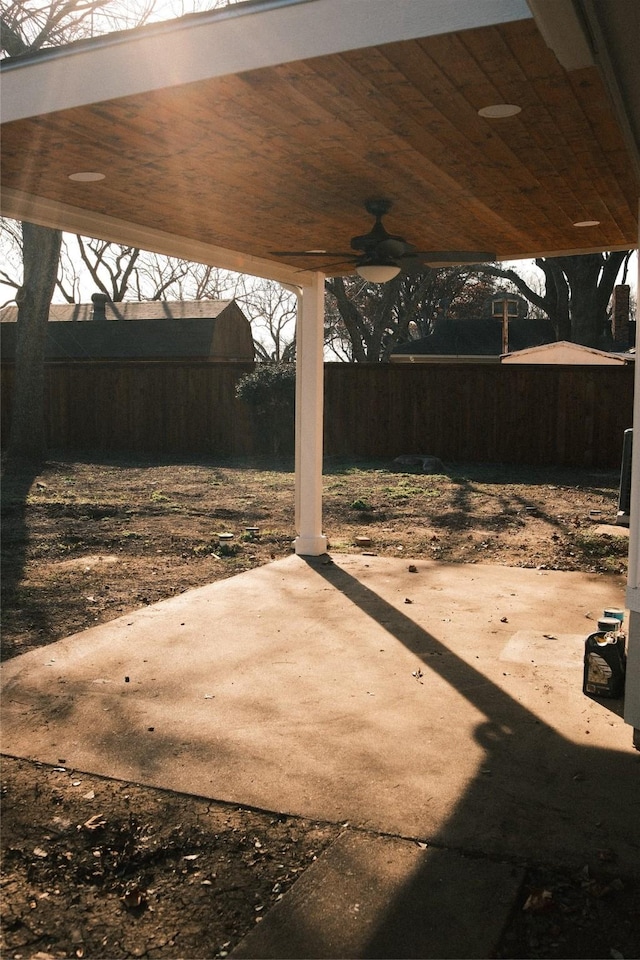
(481, 337)
(563, 351)
(204, 329)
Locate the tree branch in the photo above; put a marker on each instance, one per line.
(10, 39)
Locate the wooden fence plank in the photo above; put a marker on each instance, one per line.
(528, 414)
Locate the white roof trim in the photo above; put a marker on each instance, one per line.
(50, 213)
(209, 45)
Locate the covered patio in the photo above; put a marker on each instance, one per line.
(495, 125)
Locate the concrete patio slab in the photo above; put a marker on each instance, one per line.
(371, 896)
(422, 700)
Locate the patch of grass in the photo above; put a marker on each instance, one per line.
(202, 550)
(345, 467)
(603, 553)
(215, 479)
(157, 497)
(362, 505)
(407, 488)
(601, 546)
(228, 550)
(66, 548)
(249, 537)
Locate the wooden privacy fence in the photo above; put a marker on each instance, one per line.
(538, 414)
(149, 406)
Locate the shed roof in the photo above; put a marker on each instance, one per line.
(563, 351)
(134, 310)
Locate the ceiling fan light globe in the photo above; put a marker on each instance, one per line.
(378, 272)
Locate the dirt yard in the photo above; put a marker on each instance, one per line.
(95, 868)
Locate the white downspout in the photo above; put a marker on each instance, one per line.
(310, 540)
(632, 685)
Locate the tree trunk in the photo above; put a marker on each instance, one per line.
(350, 317)
(556, 301)
(583, 273)
(592, 278)
(41, 253)
(577, 291)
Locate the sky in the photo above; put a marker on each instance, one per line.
(526, 269)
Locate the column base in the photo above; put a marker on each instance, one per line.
(311, 546)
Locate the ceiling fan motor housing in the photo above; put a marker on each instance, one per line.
(378, 244)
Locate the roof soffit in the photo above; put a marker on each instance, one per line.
(246, 36)
(227, 168)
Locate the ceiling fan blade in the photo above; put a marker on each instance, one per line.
(412, 265)
(380, 248)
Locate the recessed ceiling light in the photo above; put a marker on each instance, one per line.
(587, 223)
(497, 111)
(86, 176)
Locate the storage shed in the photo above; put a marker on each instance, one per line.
(563, 351)
(101, 330)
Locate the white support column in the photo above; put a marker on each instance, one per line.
(310, 540)
(632, 684)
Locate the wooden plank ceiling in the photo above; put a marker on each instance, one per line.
(285, 157)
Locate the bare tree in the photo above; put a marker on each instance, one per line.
(122, 273)
(205, 282)
(28, 25)
(41, 250)
(170, 278)
(116, 263)
(11, 265)
(365, 321)
(271, 310)
(576, 294)
(25, 26)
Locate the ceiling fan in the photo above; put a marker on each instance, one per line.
(380, 256)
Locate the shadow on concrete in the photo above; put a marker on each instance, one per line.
(538, 796)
